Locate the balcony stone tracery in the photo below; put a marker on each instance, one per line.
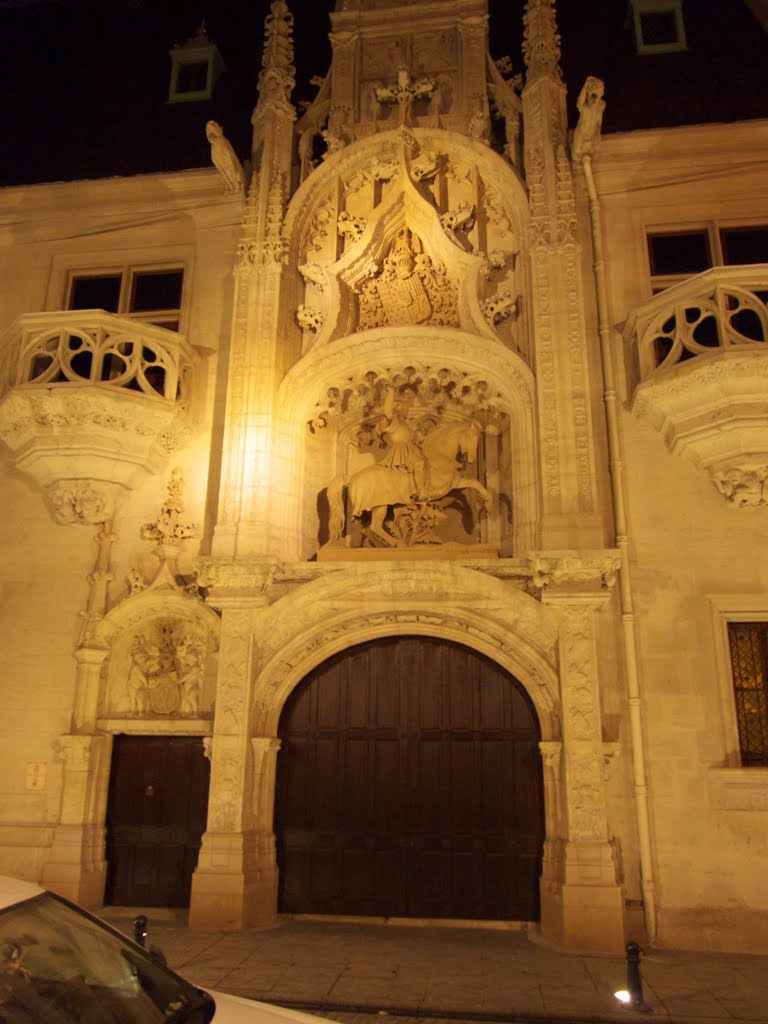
(699, 358)
(90, 402)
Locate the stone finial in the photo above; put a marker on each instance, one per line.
(169, 528)
(591, 106)
(278, 75)
(541, 42)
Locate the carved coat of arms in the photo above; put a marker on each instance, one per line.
(410, 288)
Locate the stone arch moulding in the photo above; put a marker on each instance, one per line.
(389, 350)
(350, 185)
(349, 607)
(138, 613)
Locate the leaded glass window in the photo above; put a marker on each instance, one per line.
(749, 659)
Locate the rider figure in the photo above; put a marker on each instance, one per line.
(404, 452)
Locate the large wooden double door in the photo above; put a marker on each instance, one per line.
(409, 784)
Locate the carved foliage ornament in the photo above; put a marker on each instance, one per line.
(170, 527)
(431, 388)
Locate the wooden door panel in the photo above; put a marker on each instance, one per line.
(409, 784)
(155, 819)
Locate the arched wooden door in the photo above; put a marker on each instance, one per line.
(409, 784)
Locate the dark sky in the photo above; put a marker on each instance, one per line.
(85, 82)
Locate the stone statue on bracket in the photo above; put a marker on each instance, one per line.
(224, 159)
(413, 480)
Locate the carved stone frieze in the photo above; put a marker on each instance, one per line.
(557, 568)
(410, 288)
(241, 577)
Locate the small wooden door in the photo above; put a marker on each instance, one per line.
(410, 784)
(158, 802)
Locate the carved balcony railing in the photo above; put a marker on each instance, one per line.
(90, 402)
(698, 353)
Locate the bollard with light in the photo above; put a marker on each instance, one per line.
(140, 929)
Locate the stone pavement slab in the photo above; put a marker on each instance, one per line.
(350, 972)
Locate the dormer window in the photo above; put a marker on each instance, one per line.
(659, 26)
(195, 68)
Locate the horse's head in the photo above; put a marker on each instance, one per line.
(468, 440)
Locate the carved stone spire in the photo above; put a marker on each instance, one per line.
(278, 75)
(541, 42)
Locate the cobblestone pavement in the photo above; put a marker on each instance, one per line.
(353, 973)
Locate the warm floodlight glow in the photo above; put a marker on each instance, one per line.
(623, 996)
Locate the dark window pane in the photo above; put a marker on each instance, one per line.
(156, 290)
(679, 253)
(96, 293)
(658, 28)
(192, 77)
(745, 245)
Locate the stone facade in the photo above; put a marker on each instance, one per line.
(413, 392)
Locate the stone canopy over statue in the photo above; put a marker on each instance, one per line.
(403, 498)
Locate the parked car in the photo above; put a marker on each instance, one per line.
(61, 965)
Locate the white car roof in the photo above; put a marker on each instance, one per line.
(14, 890)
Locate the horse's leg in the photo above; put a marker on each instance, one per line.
(474, 485)
(376, 531)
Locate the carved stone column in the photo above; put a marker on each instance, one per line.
(76, 867)
(582, 901)
(235, 884)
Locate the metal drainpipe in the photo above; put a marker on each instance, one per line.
(622, 543)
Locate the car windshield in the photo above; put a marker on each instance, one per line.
(59, 965)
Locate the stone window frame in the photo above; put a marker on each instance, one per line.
(66, 267)
(734, 787)
(674, 7)
(714, 230)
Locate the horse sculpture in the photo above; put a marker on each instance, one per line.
(378, 488)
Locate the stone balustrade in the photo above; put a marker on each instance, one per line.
(724, 308)
(698, 357)
(91, 346)
(91, 402)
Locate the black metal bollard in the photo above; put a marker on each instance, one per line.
(634, 978)
(140, 929)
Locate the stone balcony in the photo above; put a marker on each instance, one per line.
(698, 357)
(91, 402)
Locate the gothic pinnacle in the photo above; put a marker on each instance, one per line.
(541, 42)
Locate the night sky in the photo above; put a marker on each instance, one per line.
(85, 82)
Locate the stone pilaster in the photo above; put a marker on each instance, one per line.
(76, 867)
(566, 451)
(254, 369)
(235, 884)
(582, 901)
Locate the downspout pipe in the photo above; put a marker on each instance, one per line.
(616, 467)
